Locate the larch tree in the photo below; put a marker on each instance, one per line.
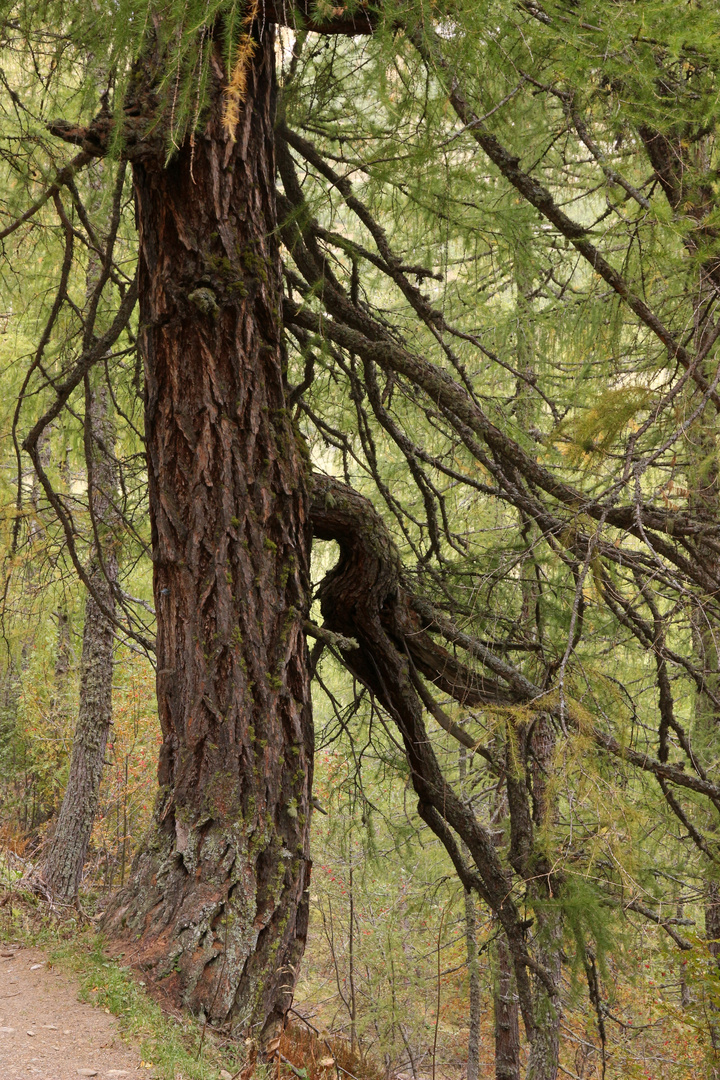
(220, 892)
(64, 858)
(497, 294)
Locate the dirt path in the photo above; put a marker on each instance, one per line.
(46, 1032)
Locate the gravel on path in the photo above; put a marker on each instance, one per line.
(45, 1032)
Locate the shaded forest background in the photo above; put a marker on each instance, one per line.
(499, 241)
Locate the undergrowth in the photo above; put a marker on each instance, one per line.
(171, 1048)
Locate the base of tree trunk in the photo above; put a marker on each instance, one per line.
(219, 916)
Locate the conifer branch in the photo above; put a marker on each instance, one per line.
(538, 196)
(64, 176)
(668, 925)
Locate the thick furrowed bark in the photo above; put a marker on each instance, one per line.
(217, 897)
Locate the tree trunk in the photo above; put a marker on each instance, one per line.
(507, 1028)
(712, 933)
(64, 858)
(475, 1002)
(707, 496)
(505, 1002)
(545, 1046)
(217, 901)
(63, 862)
(679, 162)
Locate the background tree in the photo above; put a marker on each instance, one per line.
(64, 859)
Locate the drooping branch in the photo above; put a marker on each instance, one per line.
(353, 328)
(453, 398)
(537, 195)
(63, 177)
(363, 597)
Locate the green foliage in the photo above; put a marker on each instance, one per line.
(513, 540)
(598, 428)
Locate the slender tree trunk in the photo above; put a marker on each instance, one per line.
(507, 1026)
(704, 485)
(217, 900)
(712, 932)
(679, 163)
(707, 720)
(545, 1046)
(64, 859)
(505, 1001)
(475, 1002)
(351, 961)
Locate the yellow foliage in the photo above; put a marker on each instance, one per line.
(237, 83)
(595, 430)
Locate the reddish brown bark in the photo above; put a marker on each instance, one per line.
(218, 897)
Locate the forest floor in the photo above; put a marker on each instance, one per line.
(68, 1009)
(45, 1031)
